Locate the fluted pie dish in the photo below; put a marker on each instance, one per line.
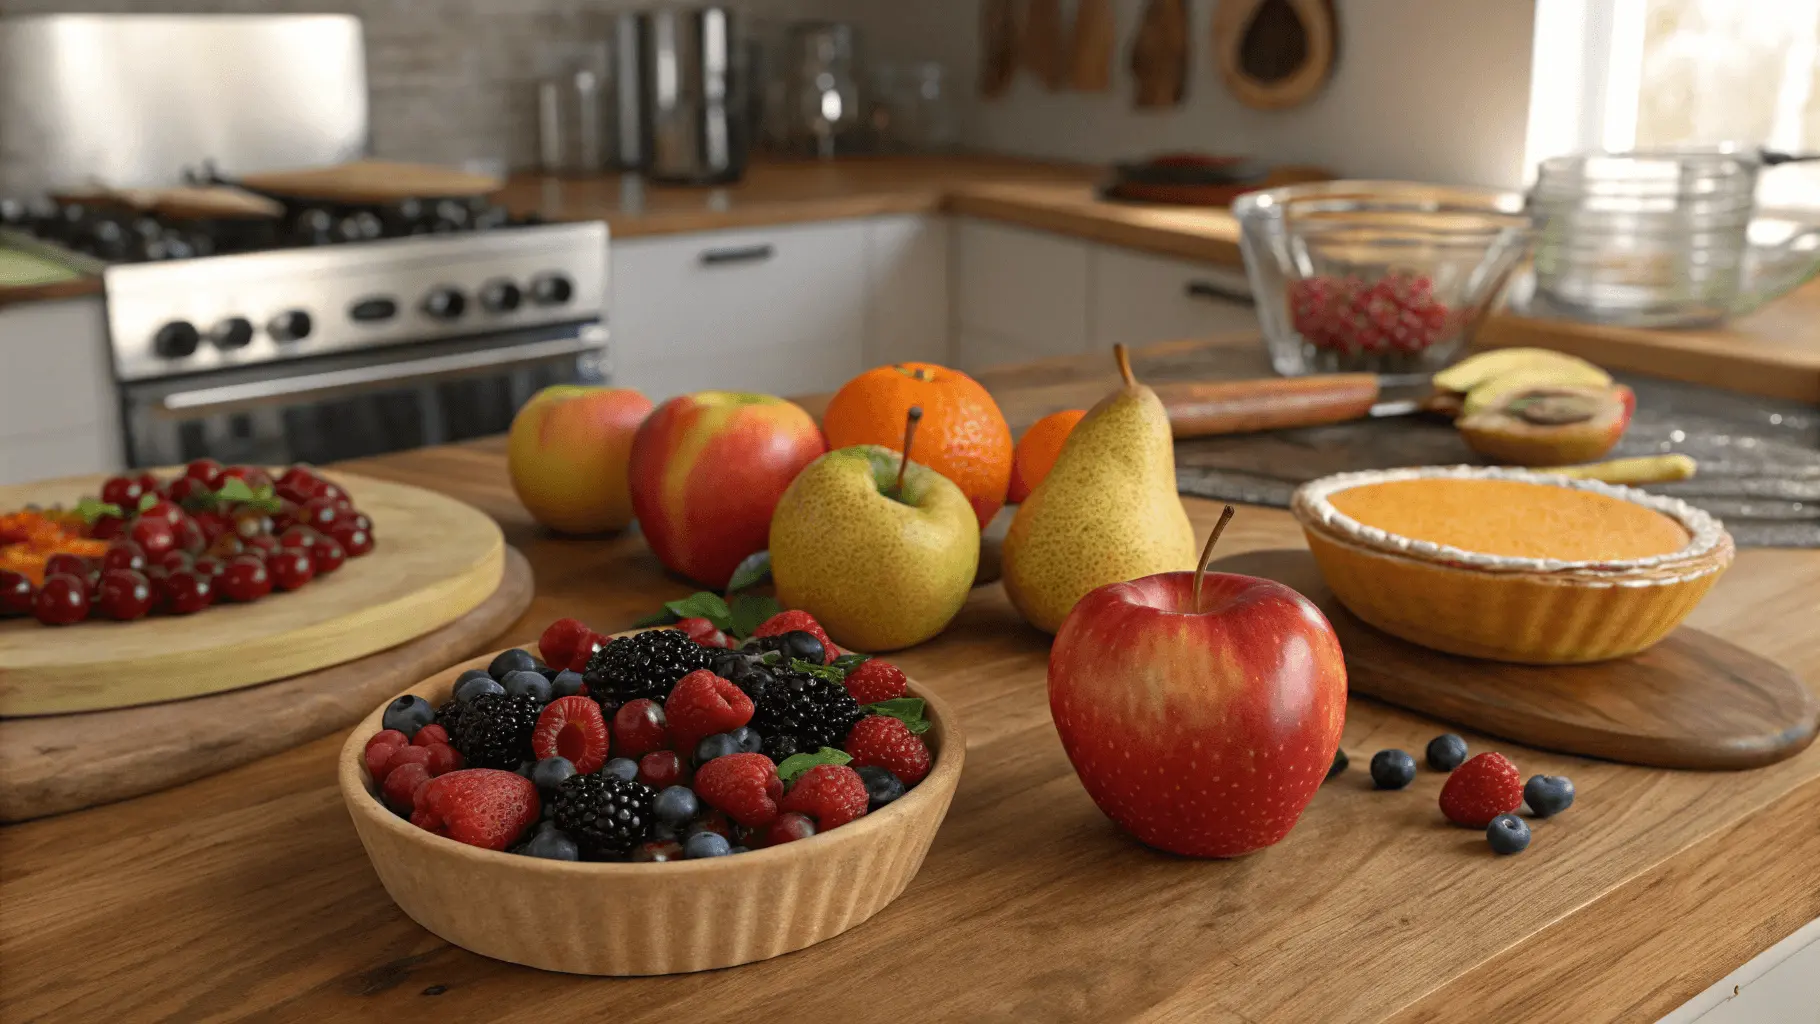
(1511, 565)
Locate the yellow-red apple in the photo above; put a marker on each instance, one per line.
(568, 454)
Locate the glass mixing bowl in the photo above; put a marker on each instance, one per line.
(1376, 276)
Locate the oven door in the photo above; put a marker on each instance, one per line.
(357, 405)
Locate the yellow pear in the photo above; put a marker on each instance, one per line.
(1107, 512)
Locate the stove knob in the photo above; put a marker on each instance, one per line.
(500, 296)
(551, 289)
(176, 340)
(445, 303)
(232, 333)
(293, 325)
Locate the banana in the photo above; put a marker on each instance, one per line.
(1647, 469)
(1485, 367)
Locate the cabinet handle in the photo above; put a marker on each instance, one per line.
(739, 254)
(1204, 289)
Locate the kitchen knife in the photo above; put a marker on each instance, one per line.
(1205, 409)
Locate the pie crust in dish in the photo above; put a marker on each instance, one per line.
(1509, 564)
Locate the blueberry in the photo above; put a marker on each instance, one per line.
(526, 683)
(473, 673)
(730, 666)
(718, 745)
(513, 660)
(408, 714)
(1446, 752)
(1392, 769)
(882, 787)
(804, 646)
(622, 768)
(1340, 763)
(676, 805)
(747, 739)
(548, 824)
(549, 772)
(540, 668)
(1507, 834)
(566, 684)
(552, 845)
(707, 844)
(1548, 795)
(470, 688)
(524, 768)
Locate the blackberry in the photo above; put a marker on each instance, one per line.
(645, 665)
(607, 816)
(449, 716)
(779, 747)
(812, 711)
(495, 731)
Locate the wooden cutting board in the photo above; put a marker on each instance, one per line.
(373, 181)
(61, 763)
(1693, 701)
(436, 559)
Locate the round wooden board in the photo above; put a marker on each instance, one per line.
(435, 561)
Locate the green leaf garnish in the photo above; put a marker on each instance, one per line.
(147, 500)
(849, 662)
(92, 509)
(663, 618)
(751, 572)
(796, 764)
(703, 605)
(749, 611)
(810, 668)
(908, 710)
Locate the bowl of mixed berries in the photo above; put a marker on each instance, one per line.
(653, 802)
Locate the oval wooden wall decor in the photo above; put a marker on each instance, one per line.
(1275, 54)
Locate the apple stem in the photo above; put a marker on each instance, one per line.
(1207, 553)
(911, 419)
(1123, 355)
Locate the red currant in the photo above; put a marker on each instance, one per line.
(65, 564)
(62, 600)
(250, 523)
(186, 490)
(320, 513)
(298, 475)
(639, 728)
(190, 537)
(107, 528)
(173, 560)
(167, 510)
(124, 554)
(353, 540)
(245, 579)
(262, 545)
(330, 492)
(187, 591)
(326, 555)
(213, 524)
(91, 585)
(207, 471)
(291, 568)
(254, 477)
(301, 537)
(124, 595)
(209, 565)
(153, 535)
(17, 595)
(123, 491)
(660, 768)
(227, 546)
(148, 484)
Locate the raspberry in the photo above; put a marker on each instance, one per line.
(832, 794)
(401, 786)
(785, 622)
(1481, 789)
(888, 743)
(661, 769)
(705, 633)
(585, 649)
(561, 640)
(704, 704)
(572, 727)
(443, 759)
(874, 681)
(745, 786)
(429, 734)
(379, 751)
(639, 727)
(402, 755)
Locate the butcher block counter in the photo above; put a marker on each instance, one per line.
(247, 896)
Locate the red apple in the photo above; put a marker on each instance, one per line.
(1201, 730)
(707, 470)
(568, 453)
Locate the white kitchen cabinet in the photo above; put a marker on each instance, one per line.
(1018, 294)
(59, 414)
(1139, 299)
(907, 318)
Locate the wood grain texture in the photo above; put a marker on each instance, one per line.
(250, 898)
(435, 560)
(11, 295)
(1693, 701)
(1160, 55)
(60, 763)
(1092, 46)
(1044, 42)
(372, 181)
(1252, 34)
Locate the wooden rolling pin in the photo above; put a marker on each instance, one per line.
(1241, 406)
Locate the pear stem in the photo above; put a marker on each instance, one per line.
(1207, 553)
(911, 419)
(1123, 355)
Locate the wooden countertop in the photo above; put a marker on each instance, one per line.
(248, 896)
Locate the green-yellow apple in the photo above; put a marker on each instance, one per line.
(568, 454)
(707, 470)
(880, 568)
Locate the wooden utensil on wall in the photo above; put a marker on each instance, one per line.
(1159, 54)
(1044, 46)
(1092, 46)
(998, 46)
(1275, 54)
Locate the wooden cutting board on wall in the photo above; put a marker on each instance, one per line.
(1159, 55)
(1000, 21)
(1092, 46)
(1045, 43)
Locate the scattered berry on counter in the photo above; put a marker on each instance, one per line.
(604, 815)
(551, 772)
(831, 794)
(571, 727)
(639, 727)
(1392, 769)
(479, 806)
(551, 845)
(428, 734)
(643, 665)
(1446, 752)
(882, 787)
(745, 786)
(788, 828)
(662, 768)
(408, 714)
(530, 683)
(1484, 787)
(495, 730)
(703, 704)
(623, 768)
(1340, 763)
(875, 681)
(1548, 795)
(797, 621)
(1507, 834)
(888, 743)
(401, 784)
(706, 844)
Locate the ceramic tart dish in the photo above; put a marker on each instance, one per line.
(1511, 565)
(658, 918)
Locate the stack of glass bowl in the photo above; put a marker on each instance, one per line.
(1376, 276)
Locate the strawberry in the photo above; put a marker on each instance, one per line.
(888, 743)
(561, 641)
(639, 727)
(443, 759)
(429, 734)
(832, 794)
(745, 786)
(876, 680)
(482, 807)
(703, 704)
(379, 751)
(401, 786)
(788, 622)
(704, 632)
(572, 727)
(1481, 789)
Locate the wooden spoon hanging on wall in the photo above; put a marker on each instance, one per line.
(1044, 46)
(998, 46)
(1092, 47)
(1275, 54)
(1159, 54)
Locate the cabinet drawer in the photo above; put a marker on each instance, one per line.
(1139, 299)
(1021, 286)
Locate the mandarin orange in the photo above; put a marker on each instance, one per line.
(1037, 451)
(963, 435)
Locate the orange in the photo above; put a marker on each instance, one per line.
(1037, 451)
(962, 436)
